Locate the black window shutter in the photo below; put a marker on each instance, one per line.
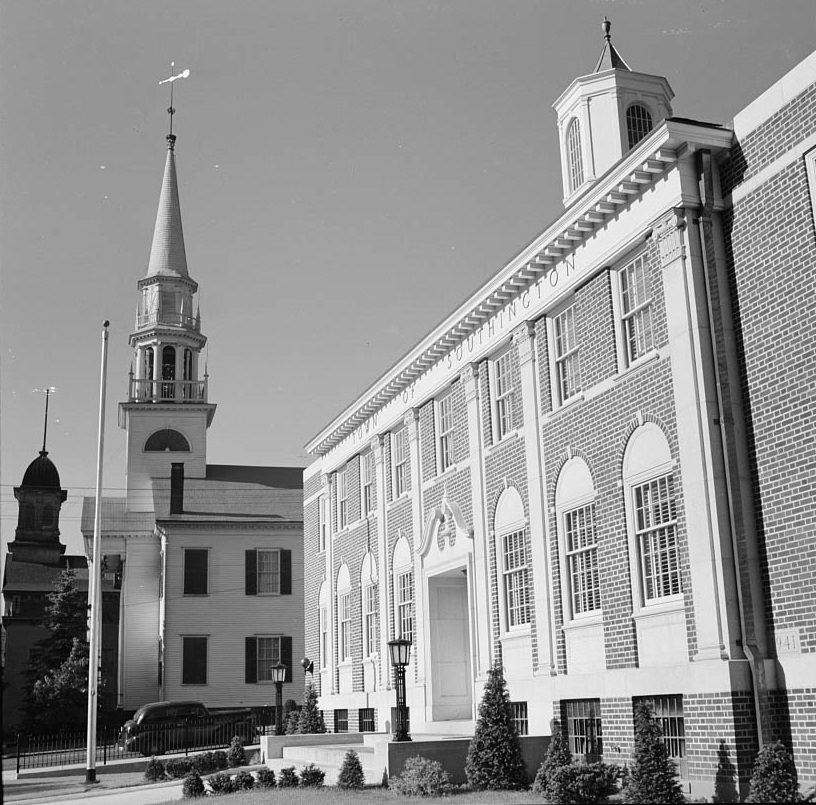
(251, 654)
(286, 572)
(286, 655)
(251, 565)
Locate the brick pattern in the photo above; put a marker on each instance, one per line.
(427, 437)
(595, 329)
(793, 721)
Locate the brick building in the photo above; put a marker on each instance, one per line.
(598, 469)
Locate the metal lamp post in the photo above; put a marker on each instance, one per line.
(400, 653)
(279, 677)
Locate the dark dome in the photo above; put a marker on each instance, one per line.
(42, 472)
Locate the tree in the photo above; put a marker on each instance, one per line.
(60, 699)
(310, 720)
(774, 778)
(54, 660)
(351, 773)
(653, 776)
(494, 761)
(557, 756)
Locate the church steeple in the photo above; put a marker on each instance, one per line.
(167, 412)
(604, 114)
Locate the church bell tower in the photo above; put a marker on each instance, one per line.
(167, 412)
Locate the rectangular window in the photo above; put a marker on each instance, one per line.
(405, 605)
(567, 364)
(321, 526)
(516, 588)
(503, 395)
(341, 720)
(196, 562)
(582, 559)
(656, 533)
(269, 654)
(344, 609)
(268, 572)
(399, 449)
(367, 482)
(636, 308)
(342, 499)
(370, 619)
(193, 660)
(583, 721)
(520, 717)
(446, 446)
(365, 719)
(668, 710)
(324, 637)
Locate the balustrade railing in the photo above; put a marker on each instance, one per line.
(169, 318)
(194, 391)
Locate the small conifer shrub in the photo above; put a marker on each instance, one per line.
(193, 786)
(774, 778)
(582, 782)
(221, 783)
(653, 776)
(494, 761)
(178, 767)
(288, 778)
(236, 756)
(244, 781)
(312, 776)
(154, 771)
(421, 777)
(351, 772)
(556, 757)
(310, 719)
(266, 778)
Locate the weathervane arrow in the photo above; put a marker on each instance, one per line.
(170, 110)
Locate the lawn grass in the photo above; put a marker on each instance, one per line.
(331, 795)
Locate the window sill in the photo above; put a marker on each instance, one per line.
(508, 437)
(663, 606)
(572, 402)
(195, 595)
(643, 360)
(517, 633)
(576, 624)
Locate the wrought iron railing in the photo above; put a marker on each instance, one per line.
(192, 391)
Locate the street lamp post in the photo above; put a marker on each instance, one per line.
(279, 677)
(400, 653)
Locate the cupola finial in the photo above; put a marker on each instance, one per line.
(171, 138)
(606, 27)
(48, 390)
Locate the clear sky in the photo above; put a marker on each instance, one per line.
(349, 171)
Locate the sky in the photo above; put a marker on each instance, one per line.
(349, 172)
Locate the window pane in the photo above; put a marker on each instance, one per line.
(400, 459)
(517, 595)
(268, 655)
(268, 572)
(566, 354)
(636, 307)
(582, 559)
(503, 375)
(656, 529)
(447, 455)
(584, 730)
(405, 599)
(576, 161)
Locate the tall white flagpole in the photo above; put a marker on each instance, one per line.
(95, 577)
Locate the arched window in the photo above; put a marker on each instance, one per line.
(575, 160)
(343, 614)
(166, 439)
(575, 508)
(368, 589)
(513, 560)
(403, 575)
(651, 510)
(638, 123)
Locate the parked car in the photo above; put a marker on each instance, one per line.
(161, 727)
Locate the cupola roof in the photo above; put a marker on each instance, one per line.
(167, 254)
(610, 59)
(42, 473)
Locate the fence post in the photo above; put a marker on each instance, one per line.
(19, 746)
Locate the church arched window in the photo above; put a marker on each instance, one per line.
(638, 123)
(166, 439)
(575, 160)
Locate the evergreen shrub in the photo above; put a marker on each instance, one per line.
(154, 771)
(236, 756)
(244, 781)
(266, 778)
(581, 783)
(312, 776)
(221, 761)
(310, 719)
(351, 772)
(421, 777)
(774, 778)
(288, 778)
(652, 777)
(178, 767)
(193, 786)
(556, 757)
(221, 783)
(494, 761)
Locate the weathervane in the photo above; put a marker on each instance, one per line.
(49, 390)
(170, 110)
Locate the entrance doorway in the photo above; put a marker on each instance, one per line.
(451, 676)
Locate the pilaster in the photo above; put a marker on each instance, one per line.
(414, 452)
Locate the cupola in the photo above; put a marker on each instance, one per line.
(603, 115)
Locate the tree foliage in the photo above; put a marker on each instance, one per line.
(310, 719)
(774, 778)
(494, 760)
(351, 773)
(557, 756)
(653, 775)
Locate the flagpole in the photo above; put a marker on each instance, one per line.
(95, 577)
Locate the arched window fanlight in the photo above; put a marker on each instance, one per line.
(166, 439)
(575, 161)
(638, 123)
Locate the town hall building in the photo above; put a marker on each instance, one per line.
(598, 470)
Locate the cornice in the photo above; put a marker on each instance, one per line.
(623, 183)
(164, 525)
